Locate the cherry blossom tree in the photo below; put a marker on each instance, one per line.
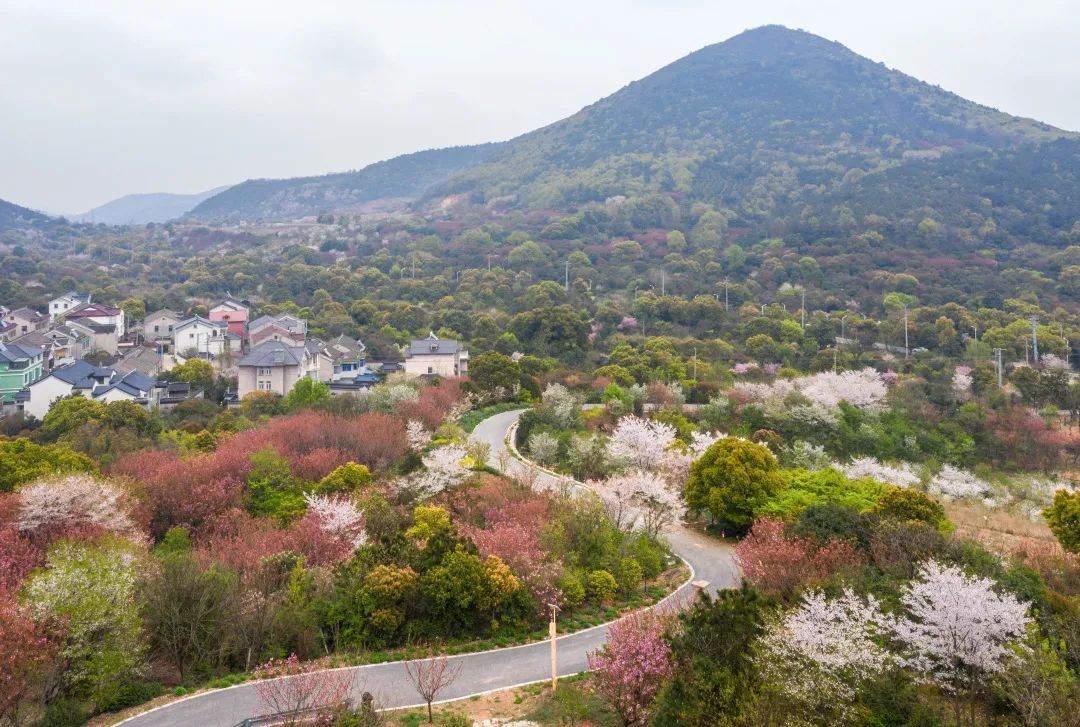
(821, 652)
(431, 676)
(958, 629)
(417, 435)
(898, 474)
(952, 483)
(631, 667)
(338, 516)
(444, 468)
(639, 499)
(640, 442)
(288, 689)
(59, 502)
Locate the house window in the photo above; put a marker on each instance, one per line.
(264, 371)
(190, 336)
(430, 370)
(155, 329)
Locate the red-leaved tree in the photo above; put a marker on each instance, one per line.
(27, 649)
(296, 694)
(779, 565)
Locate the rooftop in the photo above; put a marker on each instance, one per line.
(274, 353)
(432, 346)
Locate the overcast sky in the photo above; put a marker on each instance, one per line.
(101, 98)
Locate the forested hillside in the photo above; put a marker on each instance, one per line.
(407, 177)
(12, 216)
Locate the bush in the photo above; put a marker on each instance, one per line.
(911, 506)
(831, 521)
(572, 588)
(1063, 516)
(128, 694)
(64, 712)
(802, 489)
(649, 554)
(602, 586)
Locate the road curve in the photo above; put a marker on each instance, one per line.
(480, 672)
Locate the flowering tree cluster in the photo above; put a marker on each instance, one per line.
(962, 381)
(822, 651)
(899, 474)
(417, 435)
(864, 389)
(952, 483)
(631, 667)
(562, 404)
(640, 442)
(444, 467)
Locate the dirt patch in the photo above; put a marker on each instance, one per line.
(1002, 532)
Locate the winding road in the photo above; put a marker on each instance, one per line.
(480, 672)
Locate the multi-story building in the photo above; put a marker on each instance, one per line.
(20, 366)
(434, 357)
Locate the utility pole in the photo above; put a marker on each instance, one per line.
(695, 363)
(489, 261)
(907, 349)
(1035, 338)
(663, 282)
(725, 295)
(803, 310)
(842, 319)
(566, 279)
(834, 357)
(976, 328)
(997, 356)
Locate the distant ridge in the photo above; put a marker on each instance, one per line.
(139, 209)
(771, 116)
(12, 216)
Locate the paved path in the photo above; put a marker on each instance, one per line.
(482, 672)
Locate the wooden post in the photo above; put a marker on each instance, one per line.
(553, 634)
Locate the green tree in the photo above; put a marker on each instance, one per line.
(732, 481)
(92, 588)
(1063, 517)
(714, 682)
(198, 373)
(272, 488)
(69, 414)
(305, 393)
(22, 461)
(349, 477)
(492, 373)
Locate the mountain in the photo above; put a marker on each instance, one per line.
(12, 216)
(766, 127)
(771, 107)
(405, 177)
(138, 209)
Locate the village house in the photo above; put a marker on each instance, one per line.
(276, 366)
(63, 344)
(26, 320)
(20, 366)
(347, 355)
(99, 315)
(234, 313)
(98, 383)
(66, 302)
(158, 326)
(287, 328)
(434, 357)
(198, 335)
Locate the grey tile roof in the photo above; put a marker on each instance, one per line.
(273, 353)
(432, 346)
(12, 352)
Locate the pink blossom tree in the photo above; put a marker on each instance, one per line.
(639, 499)
(630, 668)
(958, 629)
(779, 565)
(287, 689)
(431, 676)
(640, 442)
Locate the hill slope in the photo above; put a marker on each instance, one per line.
(138, 209)
(13, 216)
(408, 176)
(771, 106)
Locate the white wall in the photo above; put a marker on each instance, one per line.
(43, 393)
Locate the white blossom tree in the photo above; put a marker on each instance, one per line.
(543, 447)
(60, 501)
(952, 483)
(339, 516)
(640, 442)
(444, 467)
(824, 650)
(958, 629)
(565, 408)
(639, 499)
(898, 474)
(417, 435)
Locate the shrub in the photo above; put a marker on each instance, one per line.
(831, 521)
(572, 588)
(629, 575)
(602, 586)
(802, 489)
(911, 506)
(1063, 517)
